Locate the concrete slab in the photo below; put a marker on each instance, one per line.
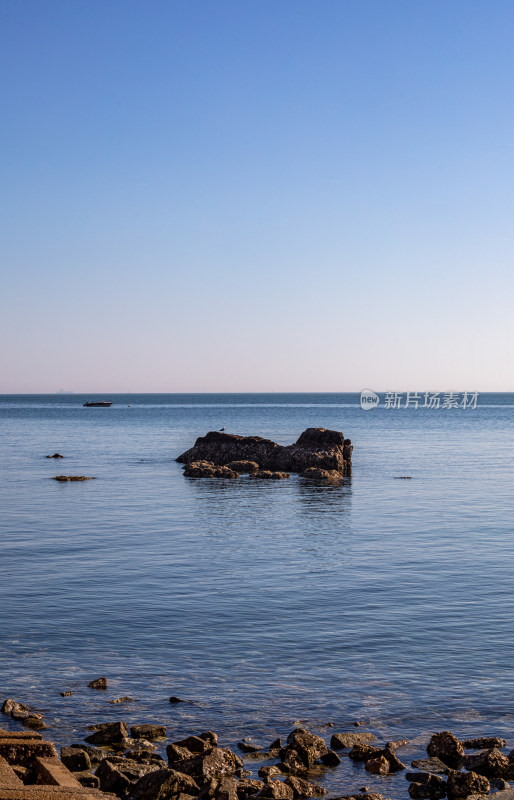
(52, 772)
(22, 752)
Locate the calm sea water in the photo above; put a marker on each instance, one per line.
(389, 601)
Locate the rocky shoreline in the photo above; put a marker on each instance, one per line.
(318, 454)
(123, 762)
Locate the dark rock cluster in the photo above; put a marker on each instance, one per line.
(123, 762)
(318, 454)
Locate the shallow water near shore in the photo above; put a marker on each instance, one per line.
(383, 600)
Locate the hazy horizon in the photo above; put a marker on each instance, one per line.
(251, 197)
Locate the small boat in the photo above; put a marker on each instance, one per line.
(98, 404)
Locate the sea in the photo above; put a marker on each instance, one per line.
(387, 600)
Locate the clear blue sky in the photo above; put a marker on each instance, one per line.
(211, 195)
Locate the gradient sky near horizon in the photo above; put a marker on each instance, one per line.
(271, 195)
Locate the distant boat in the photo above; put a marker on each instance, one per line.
(99, 403)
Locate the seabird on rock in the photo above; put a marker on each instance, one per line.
(222, 429)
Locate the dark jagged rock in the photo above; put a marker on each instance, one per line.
(219, 789)
(349, 739)
(243, 467)
(87, 779)
(500, 784)
(303, 788)
(148, 732)
(484, 743)
(246, 787)
(63, 478)
(18, 711)
(317, 474)
(122, 700)
(360, 796)
(395, 765)
(95, 754)
(55, 455)
(378, 765)
(222, 448)
(268, 474)
(116, 774)
(397, 743)
(108, 733)
(206, 469)
(491, 763)
(162, 784)
(302, 750)
(446, 746)
(67, 694)
(214, 763)
(75, 759)
(248, 747)
(98, 683)
(433, 764)
(146, 756)
(425, 786)
(363, 752)
(112, 779)
(176, 754)
(174, 700)
(266, 773)
(316, 447)
(198, 744)
(462, 784)
(276, 790)
(330, 759)
(34, 722)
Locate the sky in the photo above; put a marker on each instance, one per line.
(261, 195)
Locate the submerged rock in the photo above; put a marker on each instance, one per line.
(73, 478)
(34, 722)
(243, 466)
(122, 700)
(267, 474)
(432, 764)
(206, 469)
(55, 455)
(248, 747)
(317, 474)
(98, 683)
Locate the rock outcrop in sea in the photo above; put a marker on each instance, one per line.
(319, 454)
